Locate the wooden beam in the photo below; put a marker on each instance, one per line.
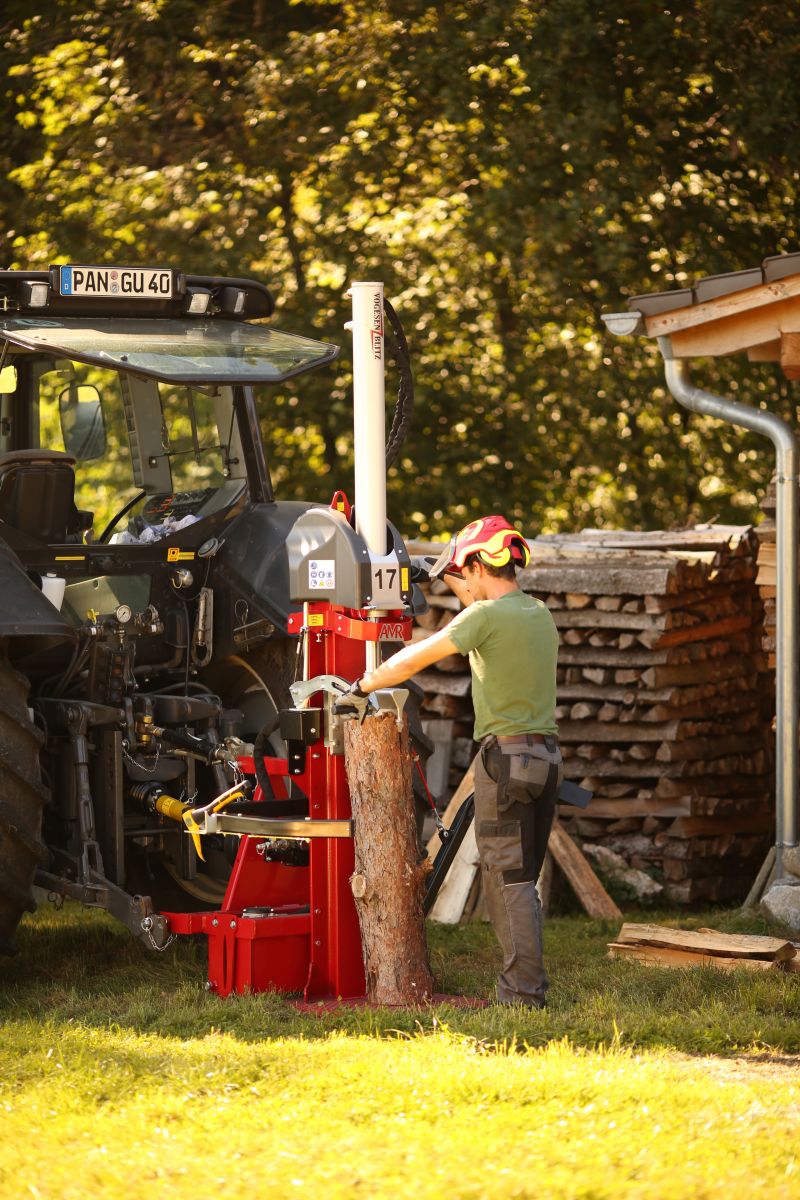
(594, 898)
(790, 354)
(739, 332)
(734, 304)
(766, 351)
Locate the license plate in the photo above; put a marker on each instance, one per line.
(132, 283)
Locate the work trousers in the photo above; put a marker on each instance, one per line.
(515, 800)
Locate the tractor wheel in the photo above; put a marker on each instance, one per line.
(22, 797)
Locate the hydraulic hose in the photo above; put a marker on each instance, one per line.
(397, 346)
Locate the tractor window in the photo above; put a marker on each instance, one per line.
(192, 439)
(103, 484)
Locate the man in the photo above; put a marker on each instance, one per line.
(512, 643)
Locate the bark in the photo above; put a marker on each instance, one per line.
(388, 879)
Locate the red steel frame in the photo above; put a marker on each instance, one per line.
(311, 942)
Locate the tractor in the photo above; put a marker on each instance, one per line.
(143, 655)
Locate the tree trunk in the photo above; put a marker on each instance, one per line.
(388, 879)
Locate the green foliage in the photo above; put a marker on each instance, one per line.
(509, 170)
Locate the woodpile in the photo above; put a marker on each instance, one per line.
(766, 578)
(658, 945)
(663, 699)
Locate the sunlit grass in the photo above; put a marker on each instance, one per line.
(121, 1076)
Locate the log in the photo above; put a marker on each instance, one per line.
(387, 882)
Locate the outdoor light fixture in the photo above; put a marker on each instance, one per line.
(34, 295)
(232, 301)
(197, 301)
(623, 324)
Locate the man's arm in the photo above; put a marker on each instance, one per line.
(406, 662)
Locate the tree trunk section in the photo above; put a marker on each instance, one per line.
(388, 879)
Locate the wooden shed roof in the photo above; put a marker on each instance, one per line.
(756, 311)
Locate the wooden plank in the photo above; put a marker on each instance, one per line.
(566, 576)
(653, 956)
(593, 897)
(707, 941)
(604, 809)
(701, 537)
(760, 884)
(456, 888)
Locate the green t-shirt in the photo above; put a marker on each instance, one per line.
(512, 645)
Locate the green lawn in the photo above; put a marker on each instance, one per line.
(120, 1076)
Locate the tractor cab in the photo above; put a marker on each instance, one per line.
(129, 436)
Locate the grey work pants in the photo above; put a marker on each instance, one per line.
(515, 800)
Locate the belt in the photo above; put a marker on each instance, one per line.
(527, 739)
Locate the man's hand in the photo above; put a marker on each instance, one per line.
(420, 567)
(353, 704)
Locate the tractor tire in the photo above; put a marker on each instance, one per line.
(22, 798)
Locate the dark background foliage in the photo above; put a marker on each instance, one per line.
(509, 169)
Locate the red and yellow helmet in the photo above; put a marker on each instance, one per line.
(492, 538)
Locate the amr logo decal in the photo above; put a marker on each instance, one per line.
(391, 632)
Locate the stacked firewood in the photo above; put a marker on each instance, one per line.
(767, 566)
(661, 693)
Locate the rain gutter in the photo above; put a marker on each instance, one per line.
(782, 437)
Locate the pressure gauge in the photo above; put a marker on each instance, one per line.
(123, 614)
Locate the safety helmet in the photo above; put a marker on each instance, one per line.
(493, 539)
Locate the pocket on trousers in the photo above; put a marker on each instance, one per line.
(526, 782)
(500, 844)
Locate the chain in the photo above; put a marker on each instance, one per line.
(443, 832)
(147, 927)
(135, 761)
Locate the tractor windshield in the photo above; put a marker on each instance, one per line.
(176, 351)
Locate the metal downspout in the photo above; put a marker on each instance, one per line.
(786, 672)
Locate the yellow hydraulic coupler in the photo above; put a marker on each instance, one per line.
(156, 800)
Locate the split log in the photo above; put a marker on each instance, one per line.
(388, 881)
(663, 957)
(708, 941)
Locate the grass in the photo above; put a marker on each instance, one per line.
(121, 1076)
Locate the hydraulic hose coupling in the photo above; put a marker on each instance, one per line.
(153, 798)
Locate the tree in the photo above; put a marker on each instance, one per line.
(510, 170)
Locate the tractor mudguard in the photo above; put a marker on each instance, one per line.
(24, 610)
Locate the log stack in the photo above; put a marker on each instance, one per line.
(766, 578)
(661, 694)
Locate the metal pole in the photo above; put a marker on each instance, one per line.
(369, 415)
(786, 671)
(369, 425)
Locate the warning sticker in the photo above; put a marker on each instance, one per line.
(321, 574)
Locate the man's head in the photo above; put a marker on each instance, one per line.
(491, 542)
